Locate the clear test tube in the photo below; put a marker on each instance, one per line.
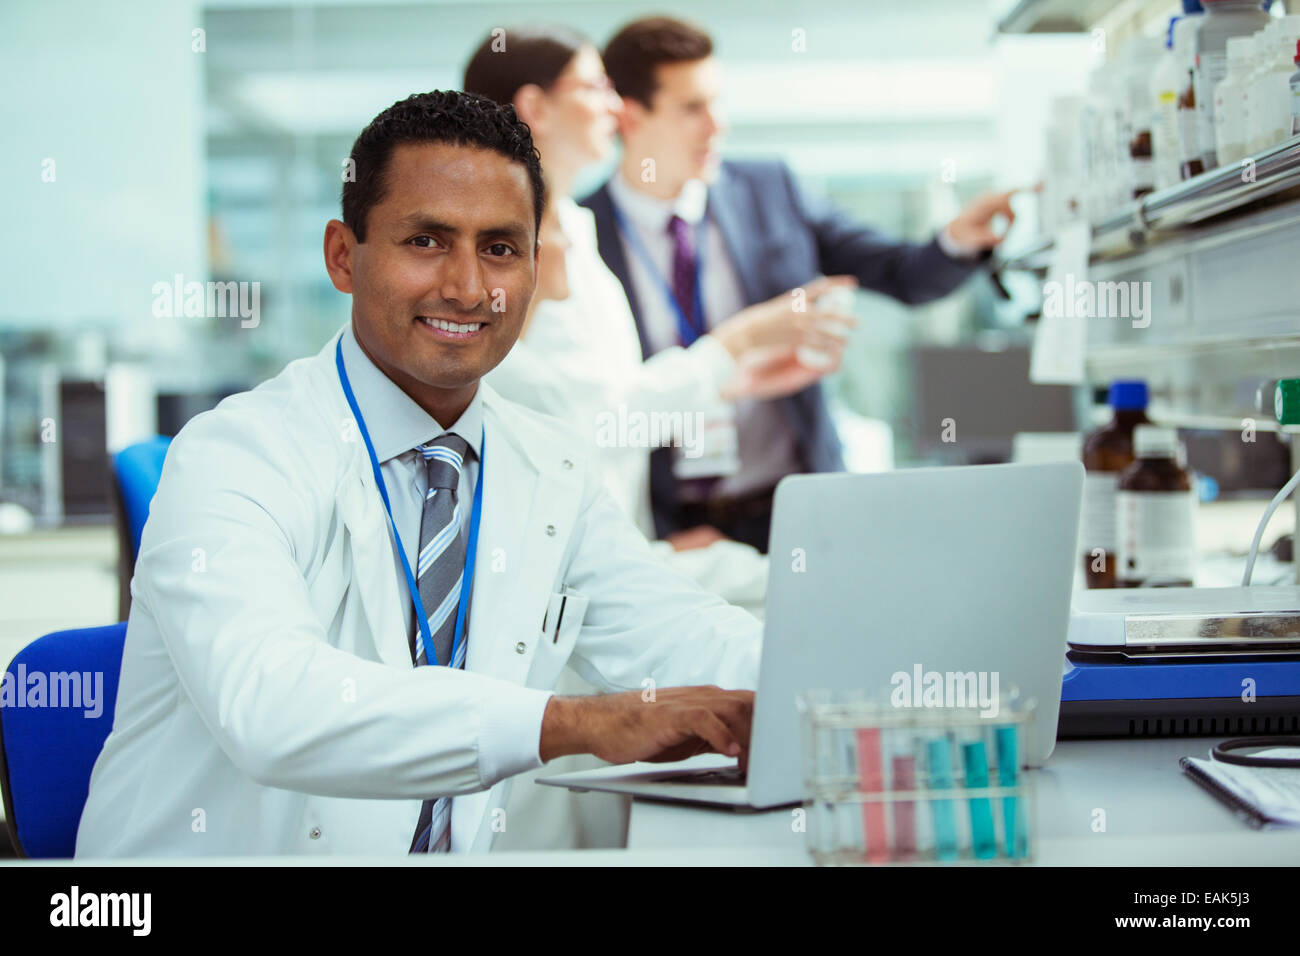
(848, 773)
(1010, 746)
(818, 771)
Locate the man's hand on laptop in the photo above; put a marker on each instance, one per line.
(678, 722)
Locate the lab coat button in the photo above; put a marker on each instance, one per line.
(550, 530)
(520, 647)
(315, 833)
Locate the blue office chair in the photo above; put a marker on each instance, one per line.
(136, 471)
(46, 753)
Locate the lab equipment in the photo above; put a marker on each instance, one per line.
(937, 804)
(1008, 762)
(1182, 661)
(975, 759)
(904, 779)
(872, 773)
(939, 761)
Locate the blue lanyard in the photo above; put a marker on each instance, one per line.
(687, 332)
(467, 575)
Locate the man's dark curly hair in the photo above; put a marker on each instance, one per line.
(443, 116)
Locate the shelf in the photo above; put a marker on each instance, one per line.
(1173, 212)
(1215, 260)
(1055, 16)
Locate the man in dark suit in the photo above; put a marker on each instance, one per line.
(688, 234)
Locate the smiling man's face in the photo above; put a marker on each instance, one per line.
(442, 283)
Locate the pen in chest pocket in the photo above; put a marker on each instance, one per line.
(559, 616)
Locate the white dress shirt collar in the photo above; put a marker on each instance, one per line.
(397, 424)
(652, 214)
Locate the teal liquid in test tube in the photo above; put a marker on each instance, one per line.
(1008, 753)
(939, 757)
(983, 841)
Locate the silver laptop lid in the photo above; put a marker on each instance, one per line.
(947, 570)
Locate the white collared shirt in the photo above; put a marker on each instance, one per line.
(397, 424)
(767, 447)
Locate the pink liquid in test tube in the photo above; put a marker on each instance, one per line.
(871, 777)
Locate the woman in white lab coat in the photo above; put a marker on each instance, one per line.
(579, 357)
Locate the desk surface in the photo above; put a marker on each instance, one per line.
(1153, 816)
(1151, 813)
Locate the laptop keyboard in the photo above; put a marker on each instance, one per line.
(726, 776)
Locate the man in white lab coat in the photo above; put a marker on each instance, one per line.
(279, 694)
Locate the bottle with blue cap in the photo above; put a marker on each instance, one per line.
(1106, 453)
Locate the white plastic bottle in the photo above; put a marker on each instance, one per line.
(1103, 172)
(1251, 94)
(1164, 124)
(1273, 122)
(1295, 93)
(1223, 19)
(1139, 59)
(1189, 146)
(1229, 116)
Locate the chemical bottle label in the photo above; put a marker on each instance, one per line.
(1157, 535)
(1144, 175)
(1098, 523)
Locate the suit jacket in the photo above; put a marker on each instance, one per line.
(778, 239)
(267, 702)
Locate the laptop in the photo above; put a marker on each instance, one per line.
(948, 570)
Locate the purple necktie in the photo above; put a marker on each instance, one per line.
(684, 274)
(684, 262)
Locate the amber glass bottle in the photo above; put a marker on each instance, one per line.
(1156, 514)
(1107, 452)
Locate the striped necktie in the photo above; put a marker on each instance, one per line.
(439, 568)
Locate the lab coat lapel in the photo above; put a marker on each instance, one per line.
(502, 564)
(362, 512)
